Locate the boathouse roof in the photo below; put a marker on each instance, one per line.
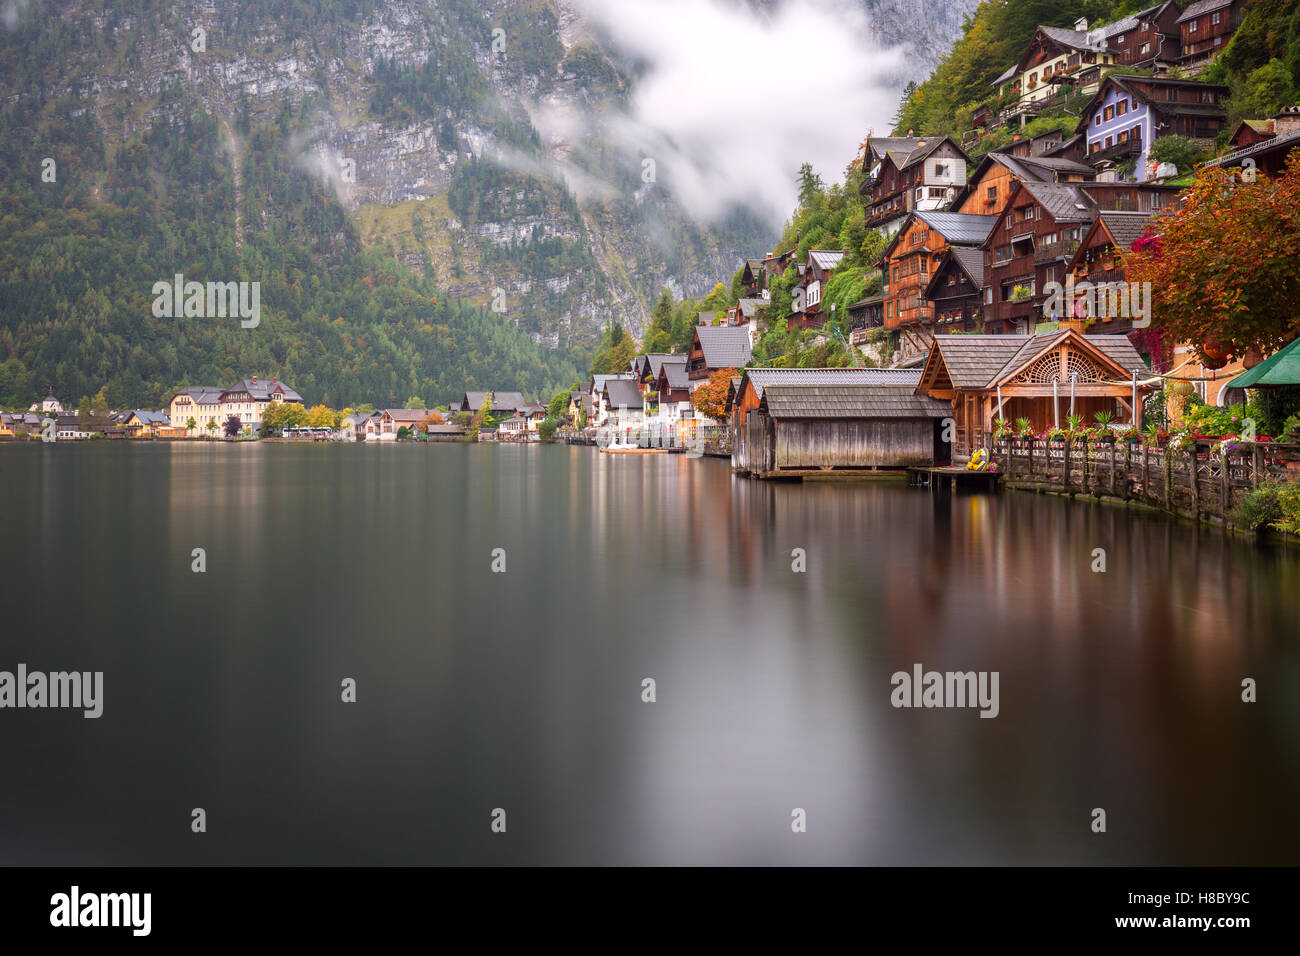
(761, 378)
(851, 401)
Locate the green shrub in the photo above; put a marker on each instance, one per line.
(1258, 508)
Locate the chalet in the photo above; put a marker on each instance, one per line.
(674, 389)
(1249, 132)
(392, 420)
(956, 288)
(773, 266)
(517, 428)
(1027, 147)
(1268, 155)
(1038, 377)
(911, 174)
(714, 348)
(1130, 112)
(745, 311)
(622, 402)
(1037, 234)
(1148, 39)
(908, 263)
(989, 188)
(1098, 261)
(1205, 28)
(753, 278)
(597, 389)
(815, 429)
(353, 426)
(1057, 62)
(502, 402)
(807, 296)
(143, 423)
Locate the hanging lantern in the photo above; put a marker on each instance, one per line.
(1213, 356)
(1181, 388)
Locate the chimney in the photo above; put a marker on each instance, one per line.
(1287, 121)
(254, 378)
(1081, 25)
(911, 132)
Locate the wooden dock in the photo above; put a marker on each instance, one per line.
(952, 477)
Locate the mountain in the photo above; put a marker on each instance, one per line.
(426, 148)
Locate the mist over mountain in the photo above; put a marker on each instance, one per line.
(560, 162)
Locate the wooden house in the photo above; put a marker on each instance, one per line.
(717, 347)
(815, 429)
(753, 278)
(910, 173)
(1205, 28)
(674, 385)
(1148, 39)
(1269, 154)
(909, 262)
(955, 290)
(1038, 377)
(1097, 261)
(989, 189)
(1057, 62)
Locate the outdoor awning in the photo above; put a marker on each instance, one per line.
(1281, 368)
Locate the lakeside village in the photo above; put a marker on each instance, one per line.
(1022, 318)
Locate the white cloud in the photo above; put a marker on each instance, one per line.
(733, 100)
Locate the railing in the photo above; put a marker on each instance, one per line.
(1203, 480)
(1130, 147)
(1056, 250)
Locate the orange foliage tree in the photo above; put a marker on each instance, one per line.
(710, 399)
(1222, 266)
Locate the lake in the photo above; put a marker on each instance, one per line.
(522, 691)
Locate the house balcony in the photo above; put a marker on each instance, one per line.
(1056, 250)
(1120, 151)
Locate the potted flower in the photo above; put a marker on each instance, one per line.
(1155, 435)
(1057, 436)
(1131, 435)
(1024, 428)
(1001, 429)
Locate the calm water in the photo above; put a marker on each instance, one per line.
(522, 690)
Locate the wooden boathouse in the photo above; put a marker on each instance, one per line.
(1038, 377)
(803, 430)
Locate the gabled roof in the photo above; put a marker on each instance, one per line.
(959, 228)
(1066, 203)
(474, 399)
(674, 374)
(598, 381)
(882, 145)
(826, 259)
(968, 259)
(1130, 84)
(1124, 227)
(981, 361)
(761, 378)
(925, 147)
(1010, 71)
(749, 307)
(622, 392)
(724, 346)
(148, 417)
(1203, 6)
(507, 400)
(408, 414)
(851, 401)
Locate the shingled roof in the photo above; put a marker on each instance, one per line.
(959, 228)
(1202, 6)
(1124, 227)
(724, 346)
(761, 378)
(851, 401)
(623, 393)
(978, 361)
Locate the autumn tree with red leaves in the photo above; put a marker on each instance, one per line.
(710, 399)
(1223, 265)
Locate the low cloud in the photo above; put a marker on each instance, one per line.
(730, 100)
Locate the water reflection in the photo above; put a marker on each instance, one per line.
(522, 690)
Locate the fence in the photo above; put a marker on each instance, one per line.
(1202, 480)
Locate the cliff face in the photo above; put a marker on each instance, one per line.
(444, 128)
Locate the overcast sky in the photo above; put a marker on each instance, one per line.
(733, 101)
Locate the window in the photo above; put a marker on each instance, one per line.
(1216, 18)
(1109, 113)
(1123, 137)
(1110, 141)
(1191, 27)
(1218, 40)
(1136, 132)
(1146, 48)
(1120, 38)
(1096, 120)
(941, 169)
(1155, 200)
(992, 193)
(988, 295)
(1207, 96)
(1121, 107)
